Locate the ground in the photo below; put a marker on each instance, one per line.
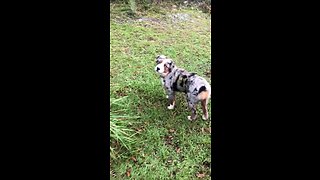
(167, 145)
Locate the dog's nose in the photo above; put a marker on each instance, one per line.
(158, 68)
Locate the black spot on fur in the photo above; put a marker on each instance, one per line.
(202, 88)
(182, 83)
(195, 89)
(174, 85)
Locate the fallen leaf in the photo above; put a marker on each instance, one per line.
(134, 159)
(201, 175)
(178, 150)
(128, 172)
(171, 130)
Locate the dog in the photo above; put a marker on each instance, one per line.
(176, 79)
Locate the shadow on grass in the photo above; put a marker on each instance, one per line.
(150, 103)
(153, 104)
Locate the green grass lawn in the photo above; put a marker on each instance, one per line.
(167, 145)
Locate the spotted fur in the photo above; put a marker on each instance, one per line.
(175, 79)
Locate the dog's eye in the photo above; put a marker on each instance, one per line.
(158, 61)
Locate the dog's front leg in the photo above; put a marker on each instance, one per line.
(172, 100)
(193, 111)
(192, 106)
(164, 87)
(165, 92)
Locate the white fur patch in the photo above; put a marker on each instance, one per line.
(159, 68)
(162, 81)
(167, 96)
(170, 106)
(204, 117)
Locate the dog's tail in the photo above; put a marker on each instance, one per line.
(204, 93)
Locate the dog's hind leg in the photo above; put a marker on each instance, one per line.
(204, 105)
(192, 107)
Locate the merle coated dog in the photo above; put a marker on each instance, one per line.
(176, 79)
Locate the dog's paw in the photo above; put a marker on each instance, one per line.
(170, 106)
(189, 118)
(167, 96)
(204, 117)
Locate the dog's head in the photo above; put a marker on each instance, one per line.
(164, 65)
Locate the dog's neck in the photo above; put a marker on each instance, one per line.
(171, 71)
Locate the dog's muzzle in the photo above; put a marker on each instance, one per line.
(157, 69)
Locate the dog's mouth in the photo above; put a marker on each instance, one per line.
(163, 74)
(165, 71)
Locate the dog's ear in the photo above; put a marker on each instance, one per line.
(159, 58)
(191, 74)
(170, 64)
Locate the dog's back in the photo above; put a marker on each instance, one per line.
(199, 87)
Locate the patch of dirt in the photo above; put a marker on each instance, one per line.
(148, 19)
(180, 17)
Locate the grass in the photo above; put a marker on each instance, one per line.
(120, 133)
(164, 144)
